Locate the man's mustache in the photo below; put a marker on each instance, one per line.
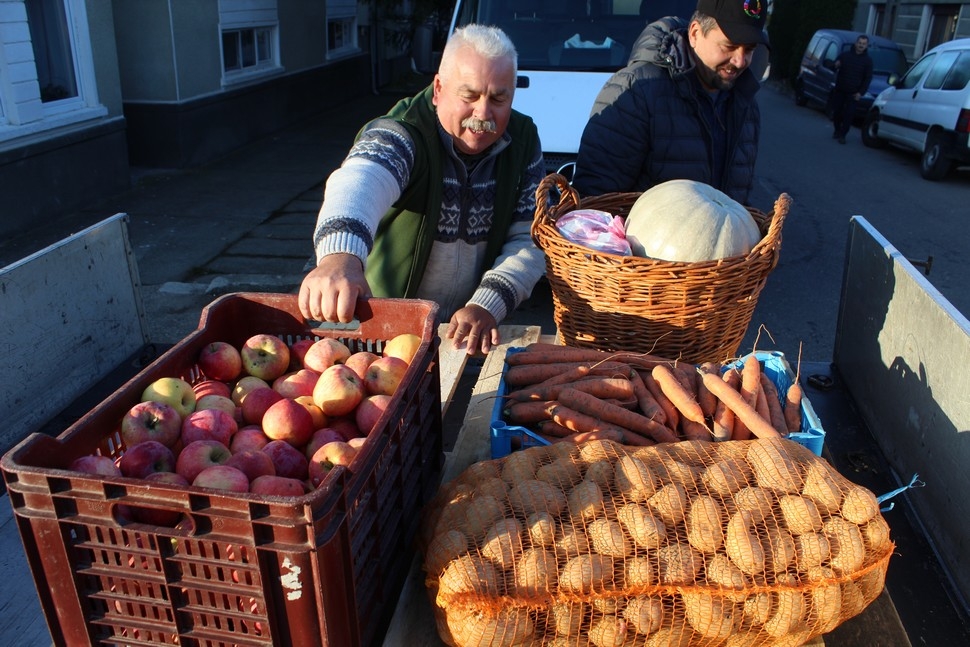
(479, 125)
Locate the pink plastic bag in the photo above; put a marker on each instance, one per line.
(595, 229)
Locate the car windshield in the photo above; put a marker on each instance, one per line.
(887, 61)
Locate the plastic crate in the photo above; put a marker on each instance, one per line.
(507, 438)
(238, 569)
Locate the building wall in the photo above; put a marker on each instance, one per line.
(912, 22)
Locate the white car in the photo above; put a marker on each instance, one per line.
(927, 110)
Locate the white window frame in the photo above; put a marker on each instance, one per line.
(255, 15)
(22, 113)
(342, 11)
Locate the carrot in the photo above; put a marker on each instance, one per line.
(678, 395)
(563, 354)
(748, 388)
(634, 421)
(707, 401)
(601, 387)
(761, 403)
(526, 374)
(598, 434)
(742, 410)
(553, 428)
(583, 371)
(592, 354)
(793, 407)
(722, 421)
(575, 420)
(527, 413)
(695, 430)
(670, 411)
(645, 400)
(775, 412)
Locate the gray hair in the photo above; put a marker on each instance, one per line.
(706, 22)
(487, 41)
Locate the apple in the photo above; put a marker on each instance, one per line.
(96, 464)
(277, 486)
(347, 426)
(320, 438)
(220, 402)
(288, 420)
(288, 460)
(357, 442)
(319, 420)
(151, 420)
(405, 346)
(256, 402)
(198, 455)
(298, 351)
(338, 391)
(384, 375)
(327, 457)
(360, 360)
(208, 424)
(252, 463)
(325, 353)
(146, 457)
(160, 516)
(173, 391)
(248, 437)
(293, 385)
(265, 356)
(244, 385)
(370, 410)
(211, 387)
(222, 477)
(219, 360)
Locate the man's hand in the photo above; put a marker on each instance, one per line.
(474, 326)
(330, 291)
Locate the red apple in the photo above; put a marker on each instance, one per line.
(151, 420)
(293, 385)
(360, 360)
(404, 346)
(244, 385)
(248, 437)
(277, 486)
(347, 426)
(160, 516)
(96, 464)
(298, 351)
(327, 457)
(265, 356)
(325, 353)
(252, 463)
(222, 477)
(319, 420)
(198, 455)
(174, 392)
(338, 391)
(208, 424)
(219, 360)
(146, 457)
(288, 420)
(220, 402)
(384, 375)
(256, 402)
(320, 438)
(357, 442)
(370, 410)
(211, 387)
(288, 460)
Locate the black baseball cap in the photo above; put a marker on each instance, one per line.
(742, 21)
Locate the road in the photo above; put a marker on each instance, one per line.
(829, 183)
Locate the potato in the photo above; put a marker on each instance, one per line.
(789, 609)
(571, 541)
(567, 617)
(811, 549)
(756, 500)
(742, 545)
(633, 479)
(726, 477)
(586, 574)
(501, 627)
(720, 570)
(452, 516)
(467, 574)
(638, 571)
(443, 548)
(646, 530)
(503, 542)
(711, 616)
(822, 487)
(519, 466)
(859, 505)
(773, 465)
(756, 609)
(779, 547)
(670, 503)
(825, 600)
(601, 473)
(705, 524)
(677, 635)
(530, 496)
(541, 527)
(678, 563)
(595, 450)
(872, 583)
(875, 534)
(608, 631)
(853, 600)
(494, 487)
(607, 538)
(562, 473)
(679, 472)
(800, 513)
(478, 472)
(536, 572)
(585, 501)
(480, 515)
(644, 614)
(605, 605)
(846, 546)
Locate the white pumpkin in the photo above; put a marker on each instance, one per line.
(684, 220)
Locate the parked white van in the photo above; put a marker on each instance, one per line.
(927, 110)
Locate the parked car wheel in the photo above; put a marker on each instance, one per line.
(870, 131)
(935, 164)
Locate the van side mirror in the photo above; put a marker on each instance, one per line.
(893, 79)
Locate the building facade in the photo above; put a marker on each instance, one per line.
(916, 26)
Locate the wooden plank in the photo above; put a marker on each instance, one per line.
(451, 364)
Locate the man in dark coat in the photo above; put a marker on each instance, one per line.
(682, 108)
(853, 74)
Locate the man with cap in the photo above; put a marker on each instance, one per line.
(683, 107)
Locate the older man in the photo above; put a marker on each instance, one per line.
(435, 200)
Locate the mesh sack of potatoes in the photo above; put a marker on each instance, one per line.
(695, 543)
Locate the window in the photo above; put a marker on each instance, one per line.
(959, 74)
(247, 48)
(934, 80)
(53, 51)
(341, 28)
(912, 78)
(250, 35)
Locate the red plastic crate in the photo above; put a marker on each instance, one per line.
(238, 569)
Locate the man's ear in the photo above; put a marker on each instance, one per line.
(435, 89)
(693, 33)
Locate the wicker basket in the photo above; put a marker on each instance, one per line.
(697, 312)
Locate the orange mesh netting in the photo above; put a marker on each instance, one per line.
(694, 543)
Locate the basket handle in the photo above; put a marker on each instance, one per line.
(568, 198)
(772, 239)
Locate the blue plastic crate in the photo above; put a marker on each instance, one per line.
(507, 438)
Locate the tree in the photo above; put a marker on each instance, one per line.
(792, 24)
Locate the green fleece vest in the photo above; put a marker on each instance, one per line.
(407, 231)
